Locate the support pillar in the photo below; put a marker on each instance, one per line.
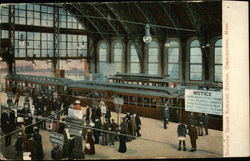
(56, 56)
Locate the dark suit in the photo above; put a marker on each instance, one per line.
(193, 133)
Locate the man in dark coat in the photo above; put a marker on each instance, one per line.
(182, 131)
(13, 118)
(97, 133)
(16, 99)
(108, 114)
(88, 115)
(10, 101)
(193, 136)
(8, 129)
(98, 112)
(114, 128)
(39, 147)
(200, 124)
(191, 119)
(138, 125)
(71, 146)
(29, 127)
(44, 113)
(205, 123)
(165, 115)
(105, 127)
(4, 119)
(93, 113)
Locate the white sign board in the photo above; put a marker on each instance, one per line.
(202, 101)
(77, 114)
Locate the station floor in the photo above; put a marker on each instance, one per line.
(155, 142)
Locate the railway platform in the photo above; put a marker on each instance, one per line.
(155, 142)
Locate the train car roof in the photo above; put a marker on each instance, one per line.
(131, 86)
(138, 75)
(123, 89)
(142, 79)
(39, 79)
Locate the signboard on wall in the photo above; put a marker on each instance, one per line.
(202, 101)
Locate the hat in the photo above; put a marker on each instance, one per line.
(77, 101)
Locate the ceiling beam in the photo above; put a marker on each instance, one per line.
(149, 18)
(104, 17)
(116, 13)
(168, 10)
(79, 10)
(198, 21)
(137, 45)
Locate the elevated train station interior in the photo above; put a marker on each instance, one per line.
(136, 57)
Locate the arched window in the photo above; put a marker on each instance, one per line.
(173, 51)
(102, 56)
(134, 60)
(218, 61)
(118, 57)
(153, 58)
(195, 63)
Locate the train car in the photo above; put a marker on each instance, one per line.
(24, 83)
(146, 101)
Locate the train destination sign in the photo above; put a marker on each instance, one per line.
(202, 101)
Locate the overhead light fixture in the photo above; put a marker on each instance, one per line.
(147, 38)
(21, 41)
(1, 58)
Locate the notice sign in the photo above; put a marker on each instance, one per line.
(209, 102)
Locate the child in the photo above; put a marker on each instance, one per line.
(182, 131)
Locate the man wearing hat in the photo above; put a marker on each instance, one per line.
(165, 115)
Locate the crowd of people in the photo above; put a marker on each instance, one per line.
(47, 105)
(98, 126)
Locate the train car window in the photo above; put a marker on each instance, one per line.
(153, 103)
(132, 100)
(139, 101)
(146, 102)
(125, 99)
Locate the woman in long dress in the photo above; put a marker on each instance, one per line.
(89, 147)
(122, 145)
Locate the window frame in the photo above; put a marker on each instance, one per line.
(98, 55)
(159, 57)
(189, 61)
(166, 53)
(122, 62)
